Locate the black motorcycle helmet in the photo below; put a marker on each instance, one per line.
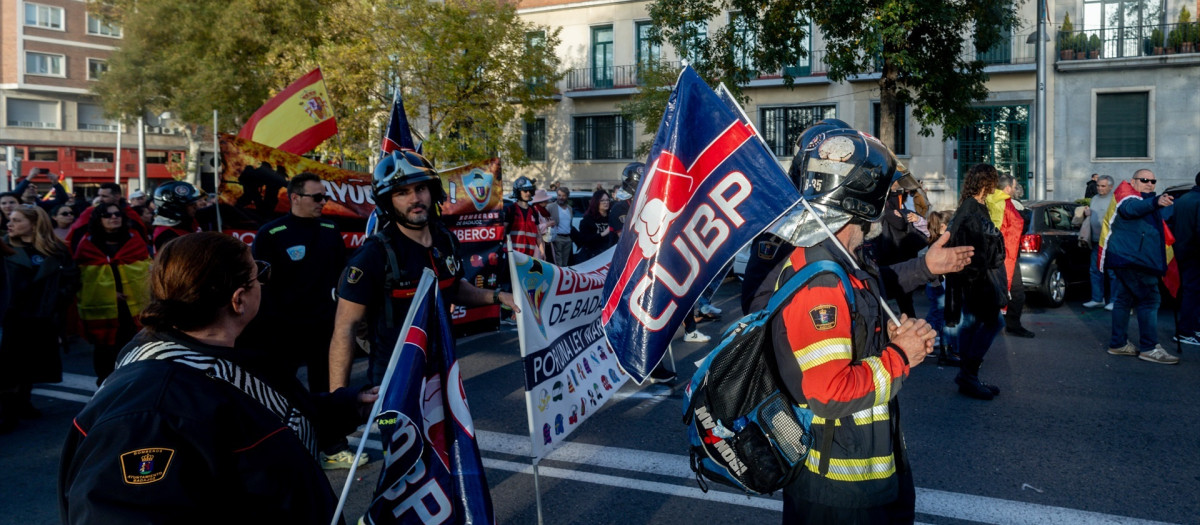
(523, 183)
(631, 176)
(401, 168)
(837, 166)
(172, 199)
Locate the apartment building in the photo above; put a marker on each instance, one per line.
(1101, 118)
(51, 51)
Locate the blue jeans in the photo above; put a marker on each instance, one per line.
(975, 334)
(1135, 289)
(1098, 278)
(1189, 296)
(937, 307)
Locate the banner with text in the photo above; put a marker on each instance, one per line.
(570, 371)
(474, 211)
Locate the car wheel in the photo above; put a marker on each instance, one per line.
(1055, 287)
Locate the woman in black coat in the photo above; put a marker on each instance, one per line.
(980, 290)
(40, 278)
(595, 233)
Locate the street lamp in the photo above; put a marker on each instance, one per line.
(1039, 115)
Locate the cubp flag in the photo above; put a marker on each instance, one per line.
(709, 188)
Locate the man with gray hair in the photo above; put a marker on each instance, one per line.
(1095, 213)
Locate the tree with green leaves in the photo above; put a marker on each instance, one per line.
(921, 49)
(470, 72)
(189, 57)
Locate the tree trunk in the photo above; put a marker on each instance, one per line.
(888, 105)
(191, 174)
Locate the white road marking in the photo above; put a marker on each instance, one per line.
(981, 509)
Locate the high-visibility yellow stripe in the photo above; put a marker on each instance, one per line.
(823, 351)
(862, 418)
(853, 469)
(882, 379)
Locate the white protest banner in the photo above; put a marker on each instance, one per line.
(570, 372)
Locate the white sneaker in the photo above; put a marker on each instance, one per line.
(1187, 339)
(1108, 307)
(696, 337)
(1159, 355)
(709, 309)
(1093, 304)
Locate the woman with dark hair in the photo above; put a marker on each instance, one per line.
(39, 279)
(114, 266)
(63, 216)
(975, 295)
(595, 234)
(189, 428)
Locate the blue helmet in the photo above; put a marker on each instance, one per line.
(401, 168)
(523, 183)
(837, 166)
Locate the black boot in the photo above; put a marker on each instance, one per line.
(8, 412)
(969, 384)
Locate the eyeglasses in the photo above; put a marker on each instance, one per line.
(316, 197)
(110, 215)
(1147, 181)
(264, 271)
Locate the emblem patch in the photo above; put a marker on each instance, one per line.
(824, 317)
(296, 252)
(147, 465)
(353, 275)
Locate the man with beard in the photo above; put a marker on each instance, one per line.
(381, 278)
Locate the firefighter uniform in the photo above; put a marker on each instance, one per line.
(837, 360)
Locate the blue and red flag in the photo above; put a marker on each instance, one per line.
(398, 135)
(432, 472)
(710, 187)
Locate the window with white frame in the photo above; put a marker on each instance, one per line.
(782, 126)
(899, 128)
(603, 137)
(745, 43)
(91, 118)
(46, 16)
(1122, 125)
(96, 26)
(535, 139)
(24, 113)
(44, 64)
(96, 67)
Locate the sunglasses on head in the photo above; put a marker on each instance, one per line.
(316, 197)
(1148, 181)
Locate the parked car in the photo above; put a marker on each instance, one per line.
(1051, 257)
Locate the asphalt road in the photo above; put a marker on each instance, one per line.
(1076, 436)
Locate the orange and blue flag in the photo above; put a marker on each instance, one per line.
(710, 187)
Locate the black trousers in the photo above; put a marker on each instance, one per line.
(900, 511)
(1016, 301)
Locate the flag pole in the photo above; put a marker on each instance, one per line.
(537, 490)
(808, 207)
(216, 173)
(427, 280)
(117, 172)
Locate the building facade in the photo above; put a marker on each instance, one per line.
(585, 140)
(51, 52)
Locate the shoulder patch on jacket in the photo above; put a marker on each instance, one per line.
(824, 316)
(146, 465)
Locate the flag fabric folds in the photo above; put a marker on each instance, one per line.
(710, 187)
(297, 119)
(399, 134)
(432, 472)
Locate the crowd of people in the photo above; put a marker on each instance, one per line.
(168, 308)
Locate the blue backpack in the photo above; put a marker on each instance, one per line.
(744, 428)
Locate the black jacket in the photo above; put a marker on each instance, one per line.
(1185, 224)
(982, 286)
(162, 442)
(590, 242)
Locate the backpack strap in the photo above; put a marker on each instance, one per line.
(393, 276)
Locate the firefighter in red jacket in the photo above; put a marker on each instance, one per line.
(847, 364)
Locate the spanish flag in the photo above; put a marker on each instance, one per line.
(1124, 192)
(297, 119)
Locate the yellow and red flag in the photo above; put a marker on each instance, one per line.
(1125, 191)
(297, 119)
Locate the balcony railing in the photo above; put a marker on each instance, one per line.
(1129, 41)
